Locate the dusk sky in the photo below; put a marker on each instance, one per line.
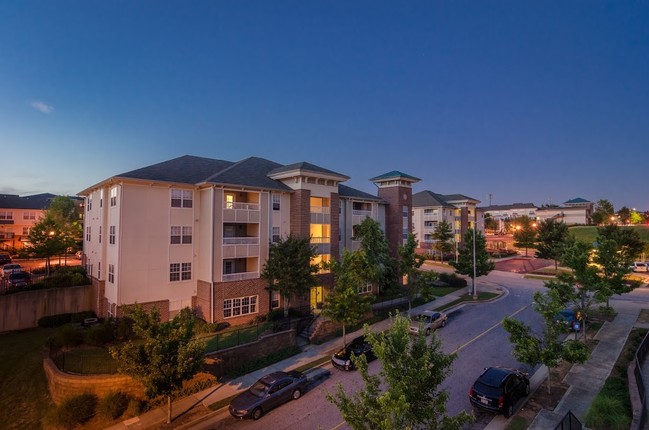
(529, 101)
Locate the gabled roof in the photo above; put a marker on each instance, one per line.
(576, 200)
(349, 192)
(509, 207)
(429, 198)
(305, 167)
(187, 169)
(36, 201)
(458, 197)
(395, 174)
(251, 172)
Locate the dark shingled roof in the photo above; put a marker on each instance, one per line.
(345, 191)
(36, 201)
(508, 207)
(429, 198)
(452, 197)
(577, 200)
(394, 175)
(187, 169)
(251, 172)
(306, 167)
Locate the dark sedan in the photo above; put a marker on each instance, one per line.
(267, 393)
(359, 346)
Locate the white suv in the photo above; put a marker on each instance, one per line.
(428, 321)
(8, 269)
(640, 266)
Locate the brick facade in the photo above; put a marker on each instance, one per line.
(301, 213)
(334, 211)
(232, 290)
(394, 217)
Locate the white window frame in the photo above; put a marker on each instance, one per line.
(274, 299)
(365, 289)
(180, 235)
(240, 306)
(6, 215)
(275, 234)
(111, 273)
(277, 202)
(182, 198)
(111, 234)
(180, 272)
(113, 196)
(88, 234)
(29, 215)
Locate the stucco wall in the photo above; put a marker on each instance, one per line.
(23, 310)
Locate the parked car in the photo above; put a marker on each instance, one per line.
(571, 318)
(5, 258)
(498, 389)
(10, 268)
(18, 279)
(639, 266)
(427, 321)
(359, 346)
(268, 392)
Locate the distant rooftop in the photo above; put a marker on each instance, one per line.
(36, 201)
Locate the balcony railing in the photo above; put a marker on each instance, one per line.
(240, 241)
(318, 240)
(319, 209)
(242, 206)
(8, 235)
(361, 212)
(229, 277)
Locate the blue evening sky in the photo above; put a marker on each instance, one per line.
(530, 101)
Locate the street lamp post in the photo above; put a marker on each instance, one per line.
(475, 293)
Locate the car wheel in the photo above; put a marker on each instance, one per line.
(257, 413)
(527, 389)
(509, 411)
(427, 331)
(443, 323)
(296, 394)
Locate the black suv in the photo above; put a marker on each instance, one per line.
(498, 389)
(359, 346)
(4, 258)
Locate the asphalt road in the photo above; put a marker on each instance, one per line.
(473, 331)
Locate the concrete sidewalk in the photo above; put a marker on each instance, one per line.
(310, 353)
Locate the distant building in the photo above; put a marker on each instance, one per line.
(429, 209)
(18, 215)
(573, 212)
(502, 213)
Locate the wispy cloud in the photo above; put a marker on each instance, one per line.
(42, 106)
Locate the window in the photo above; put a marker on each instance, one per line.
(29, 215)
(239, 306)
(111, 273)
(99, 270)
(229, 201)
(113, 196)
(405, 211)
(6, 215)
(181, 198)
(228, 267)
(88, 235)
(180, 272)
(111, 235)
(99, 234)
(25, 231)
(101, 198)
(181, 234)
(274, 299)
(89, 203)
(276, 235)
(364, 289)
(276, 201)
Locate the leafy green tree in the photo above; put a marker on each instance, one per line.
(46, 240)
(375, 249)
(344, 304)
(551, 239)
(628, 240)
(64, 211)
(546, 348)
(525, 235)
(464, 264)
(442, 235)
(409, 263)
(602, 212)
(163, 355)
(405, 394)
(289, 268)
(490, 223)
(636, 218)
(624, 215)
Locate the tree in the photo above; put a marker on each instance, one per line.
(551, 239)
(344, 304)
(163, 355)
(624, 215)
(405, 393)
(289, 269)
(376, 252)
(545, 348)
(490, 223)
(442, 235)
(636, 218)
(602, 212)
(525, 235)
(409, 263)
(464, 264)
(63, 210)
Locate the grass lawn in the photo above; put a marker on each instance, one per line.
(234, 337)
(589, 233)
(89, 361)
(23, 387)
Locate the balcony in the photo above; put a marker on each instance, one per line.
(240, 247)
(241, 212)
(321, 244)
(229, 277)
(7, 235)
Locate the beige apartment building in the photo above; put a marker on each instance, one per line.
(196, 231)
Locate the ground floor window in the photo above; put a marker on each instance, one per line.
(367, 288)
(239, 306)
(274, 299)
(180, 272)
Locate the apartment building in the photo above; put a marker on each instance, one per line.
(576, 211)
(18, 215)
(196, 232)
(429, 209)
(502, 213)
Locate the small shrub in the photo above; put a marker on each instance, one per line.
(113, 405)
(69, 335)
(54, 320)
(74, 411)
(124, 329)
(99, 334)
(80, 316)
(456, 282)
(199, 382)
(135, 407)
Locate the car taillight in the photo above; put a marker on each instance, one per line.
(471, 392)
(501, 401)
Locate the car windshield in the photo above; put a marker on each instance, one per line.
(20, 275)
(423, 318)
(259, 389)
